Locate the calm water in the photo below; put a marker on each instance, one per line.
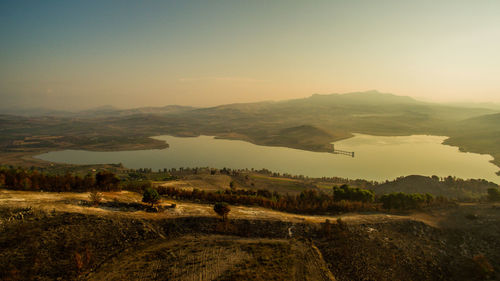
(377, 158)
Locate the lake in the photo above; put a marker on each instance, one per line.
(376, 158)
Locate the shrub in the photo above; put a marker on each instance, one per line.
(95, 197)
(483, 266)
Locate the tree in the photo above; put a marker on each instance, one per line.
(106, 181)
(403, 201)
(345, 192)
(151, 196)
(493, 194)
(222, 209)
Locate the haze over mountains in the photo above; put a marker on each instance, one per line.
(309, 123)
(371, 97)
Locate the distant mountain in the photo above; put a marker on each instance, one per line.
(97, 112)
(488, 120)
(33, 111)
(109, 111)
(488, 105)
(485, 123)
(369, 97)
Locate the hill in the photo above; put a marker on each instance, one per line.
(480, 134)
(303, 137)
(40, 237)
(447, 187)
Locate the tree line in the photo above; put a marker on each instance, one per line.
(21, 179)
(308, 201)
(311, 201)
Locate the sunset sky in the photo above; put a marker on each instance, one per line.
(80, 54)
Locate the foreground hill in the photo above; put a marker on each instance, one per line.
(57, 236)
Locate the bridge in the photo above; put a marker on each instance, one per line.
(342, 152)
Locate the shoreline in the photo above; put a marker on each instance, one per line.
(29, 158)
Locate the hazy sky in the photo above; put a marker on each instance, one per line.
(75, 54)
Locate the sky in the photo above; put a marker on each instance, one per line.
(81, 54)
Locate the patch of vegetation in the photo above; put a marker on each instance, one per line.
(22, 179)
(402, 201)
(307, 202)
(450, 187)
(345, 192)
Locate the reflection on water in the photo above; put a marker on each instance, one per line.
(377, 158)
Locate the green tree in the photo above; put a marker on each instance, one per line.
(344, 192)
(403, 201)
(222, 209)
(106, 181)
(494, 194)
(151, 196)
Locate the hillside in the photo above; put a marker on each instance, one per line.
(48, 236)
(480, 134)
(303, 137)
(447, 187)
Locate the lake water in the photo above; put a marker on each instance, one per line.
(376, 158)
